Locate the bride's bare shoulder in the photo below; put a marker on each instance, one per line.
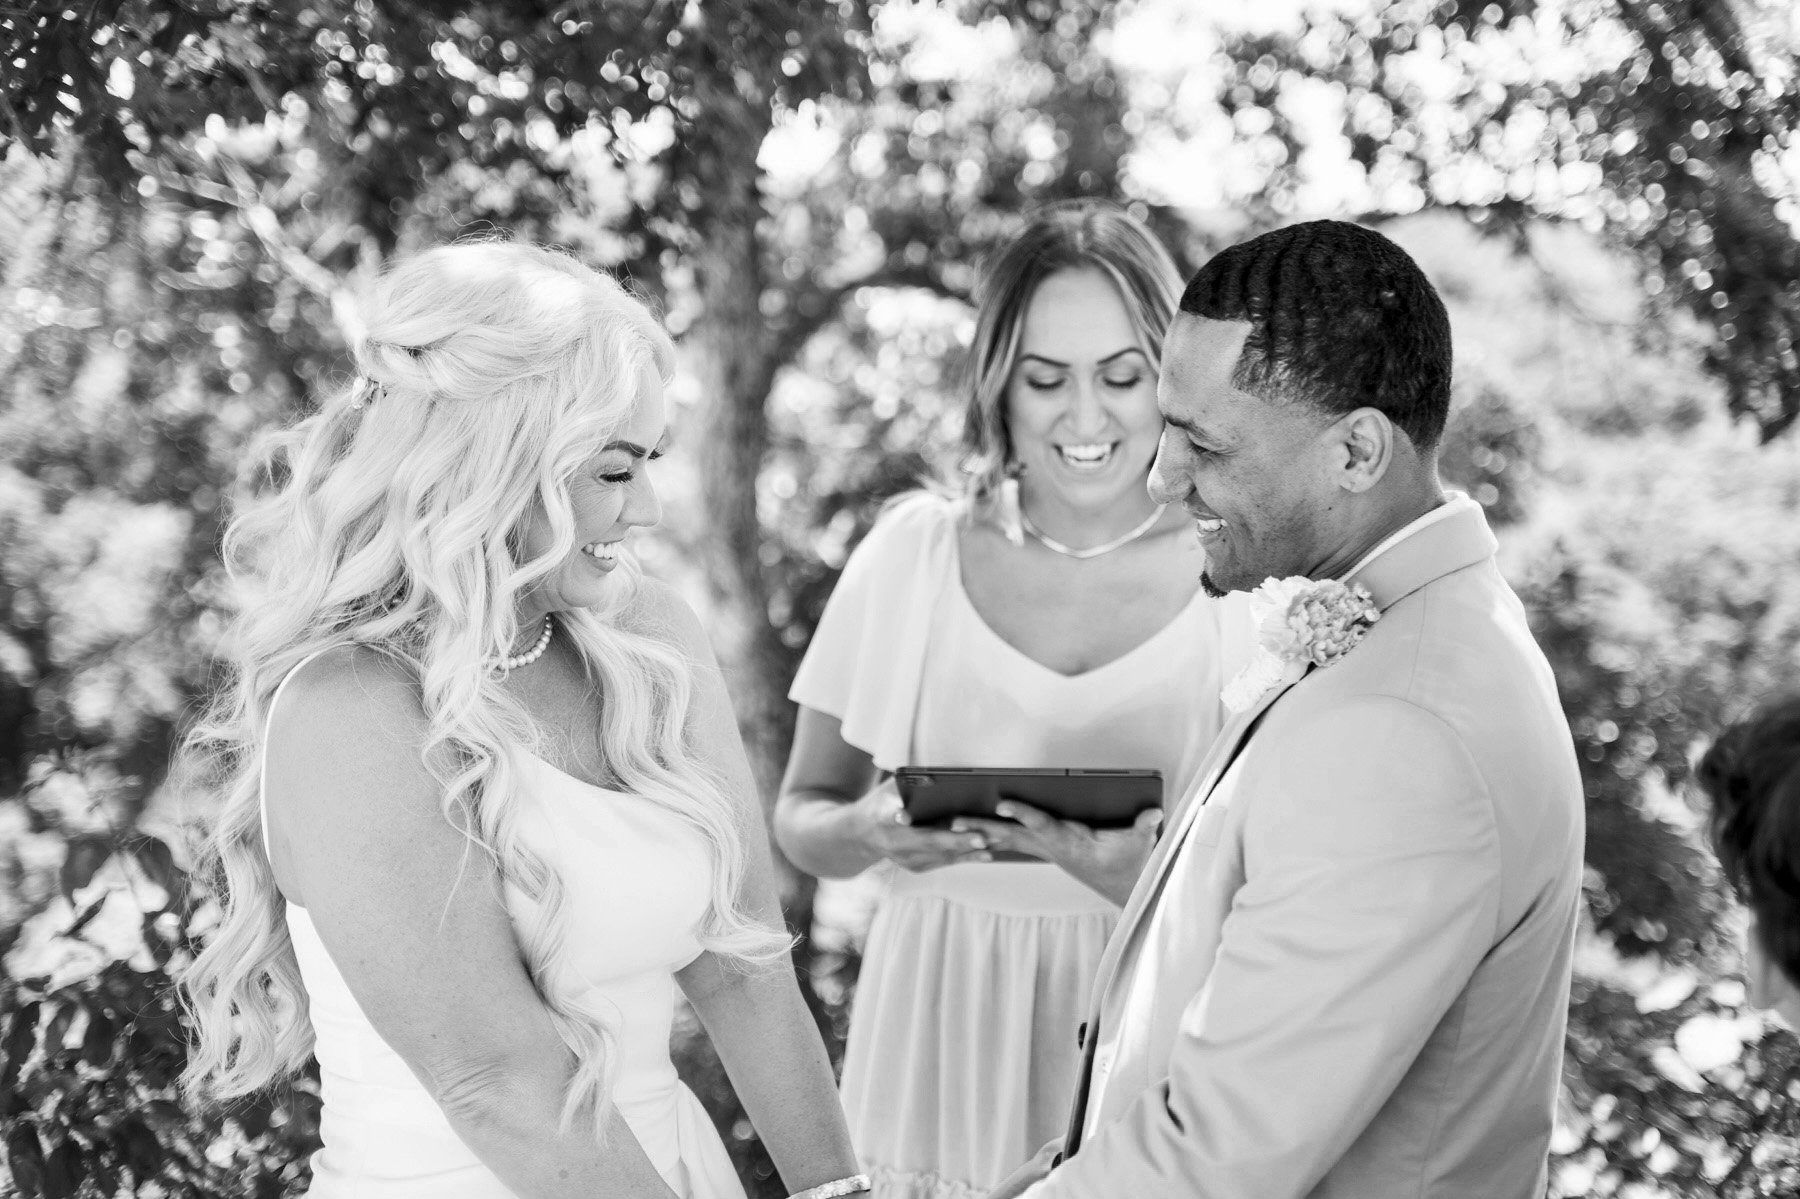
(351, 701)
(659, 610)
(356, 675)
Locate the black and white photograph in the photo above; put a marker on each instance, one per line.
(916, 599)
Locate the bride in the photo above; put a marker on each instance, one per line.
(484, 802)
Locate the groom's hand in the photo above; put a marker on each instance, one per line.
(1021, 1179)
(1108, 860)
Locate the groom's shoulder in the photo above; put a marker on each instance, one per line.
(1461, 649)
(1466, 630)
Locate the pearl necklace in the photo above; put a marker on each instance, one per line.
(531, 655)
(1093, 551)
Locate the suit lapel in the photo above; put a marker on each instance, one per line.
(1460, 539)
(1224, 752)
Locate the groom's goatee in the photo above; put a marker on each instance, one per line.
(1212, 589)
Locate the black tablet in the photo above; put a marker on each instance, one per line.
(935, 795)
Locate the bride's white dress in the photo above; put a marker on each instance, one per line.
(637, 879)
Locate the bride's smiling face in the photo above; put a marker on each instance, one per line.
(1081, 404)
(610, 494)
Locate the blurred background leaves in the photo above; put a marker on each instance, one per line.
(1604, 191)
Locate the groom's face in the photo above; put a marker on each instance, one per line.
(1252, 473)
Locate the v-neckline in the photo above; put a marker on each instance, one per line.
(574, 778)
(981, 622)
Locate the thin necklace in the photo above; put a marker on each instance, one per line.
(531, 655)
(1093, 551)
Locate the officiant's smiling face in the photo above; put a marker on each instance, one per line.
(1258, 476)
(1081, 403)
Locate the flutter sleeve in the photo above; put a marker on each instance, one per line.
(867, 656)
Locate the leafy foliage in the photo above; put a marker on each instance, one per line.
(92, 1038)
(1640, 1119)
(1665, 126)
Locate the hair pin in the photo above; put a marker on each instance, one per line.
(366, 392)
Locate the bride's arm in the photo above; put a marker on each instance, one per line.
(764, 1034)
(414, 922)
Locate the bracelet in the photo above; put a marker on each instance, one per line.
(832, 1190)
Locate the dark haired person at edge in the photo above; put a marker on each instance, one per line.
(1344, 971)
(1752, 777)
(1048, 616)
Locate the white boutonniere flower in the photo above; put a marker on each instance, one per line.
(1300, 623)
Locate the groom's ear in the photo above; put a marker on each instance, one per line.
(1362, 448)
(1770, 989)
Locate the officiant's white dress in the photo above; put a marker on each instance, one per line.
(962, 1054)
(637, 879)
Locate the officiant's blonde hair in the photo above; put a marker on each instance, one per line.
(1069, 235)
(488, 373)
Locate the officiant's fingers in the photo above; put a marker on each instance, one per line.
(936, 846)
(887, 805)
(920, 858)
(1037, 821)
(951, 839)
(1008, 836)
(993, 832)
(1148, 821)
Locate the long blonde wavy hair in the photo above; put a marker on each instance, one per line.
(488, 374)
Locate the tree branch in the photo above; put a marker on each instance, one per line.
(261, 220)
(817, 307)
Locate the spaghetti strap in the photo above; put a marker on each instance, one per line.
(262, 777)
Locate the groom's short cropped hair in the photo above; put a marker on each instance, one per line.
(1341, 318)
(1752, 776)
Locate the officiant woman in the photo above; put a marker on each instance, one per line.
(1047, 615)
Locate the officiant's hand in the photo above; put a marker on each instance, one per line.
(882, 819)
(1020, 1180)
(1108, 860)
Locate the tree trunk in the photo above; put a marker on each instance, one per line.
(736, 369)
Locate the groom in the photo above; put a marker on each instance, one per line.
(1345, 969)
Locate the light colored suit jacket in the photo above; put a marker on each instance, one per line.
(1345, 970)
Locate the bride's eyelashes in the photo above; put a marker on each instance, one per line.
(620, 478)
